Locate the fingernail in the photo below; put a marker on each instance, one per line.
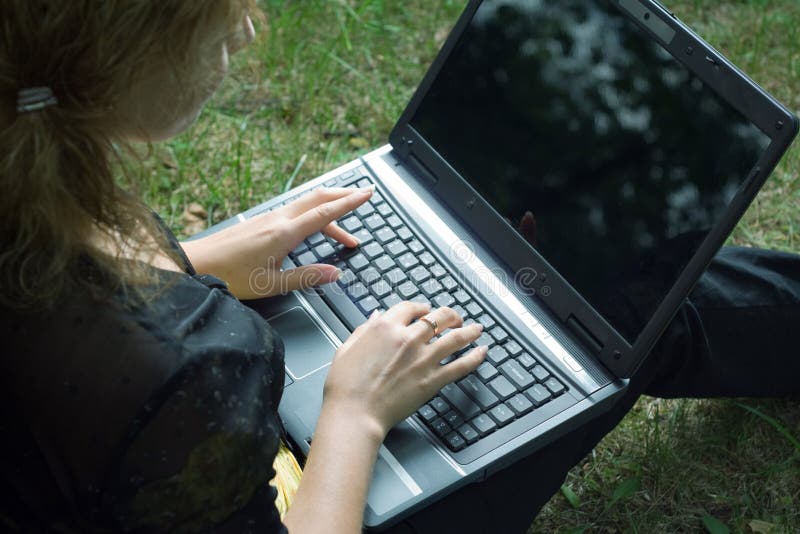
(480, 326)
(366, 190)
(337, 274)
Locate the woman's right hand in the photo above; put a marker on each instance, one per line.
(388, 367)
(379, 376)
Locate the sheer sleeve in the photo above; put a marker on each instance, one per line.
(200, 455)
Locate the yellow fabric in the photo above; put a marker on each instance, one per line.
(287, 478)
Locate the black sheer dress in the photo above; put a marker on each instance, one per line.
(149, 418)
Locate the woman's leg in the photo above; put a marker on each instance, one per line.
(734, 337)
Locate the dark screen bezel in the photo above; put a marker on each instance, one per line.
(619, 356)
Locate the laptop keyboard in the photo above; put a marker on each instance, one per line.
(391, 265)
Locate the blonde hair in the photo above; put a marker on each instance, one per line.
(58, 164)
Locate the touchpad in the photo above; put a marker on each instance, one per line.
(307, 348)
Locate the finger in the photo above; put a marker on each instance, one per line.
(341, 235)
(320, 216)
(315, 198)
(462, 366)
(456, 339)
(406, 311)
(307, 276)
(443, 318)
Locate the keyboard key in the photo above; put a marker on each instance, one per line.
(520, 404)
(439, 405)
(525, 359)
(358, 262)
(461, 296)
(502, 414)
(443, 299)
(474, 309)
(469, 434)
(394, 221)
(302, 247)
(540, 373)
(513, 347)
(306, 258)
(324, 250)
(449, 283)
(502, 387)
(415, 246)
(459, 400)
(351, 224)
(381, 289)
(483, 424)
(368, 304)
(347, 278)
(431, 287)
(373, 222)
(407, 290)
(407, 261)
(365, 210)
(384, 263)
(375, 199)
(498, 334)
(395, 276)
(497, 355)
(396, 248)
(363, 182)
(486, 320)
(516, 374)
(385, 209)
(357, 291)
(385, 235)
(486, 371)
(391, 300)
(453, 419)
(459, 310)
(454, 441)
(315, 239)
(427, 413)
(485, 339)
(478, 392)
(419, 274)
(437, 270)
(440, 427)
(427, 258)
(369, 276)
(422, 299)
(404, 234)
(538, 394)
(364, 236)
(555, 387)
(373, 250)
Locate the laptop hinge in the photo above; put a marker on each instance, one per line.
(422, 170)
(589, 341)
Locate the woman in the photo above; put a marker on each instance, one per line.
(138, 394)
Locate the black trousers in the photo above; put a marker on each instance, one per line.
(734, 337)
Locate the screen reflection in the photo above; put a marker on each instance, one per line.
(566, 111)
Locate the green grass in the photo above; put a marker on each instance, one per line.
(327, 80)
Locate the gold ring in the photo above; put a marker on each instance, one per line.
(432, 323)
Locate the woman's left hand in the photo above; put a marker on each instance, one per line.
(248, 255)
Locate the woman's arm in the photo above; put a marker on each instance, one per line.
(379, 376)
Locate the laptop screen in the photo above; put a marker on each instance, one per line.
(587, 136)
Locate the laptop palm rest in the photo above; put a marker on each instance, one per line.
(306, 347)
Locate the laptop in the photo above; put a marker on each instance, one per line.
(556, 152)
